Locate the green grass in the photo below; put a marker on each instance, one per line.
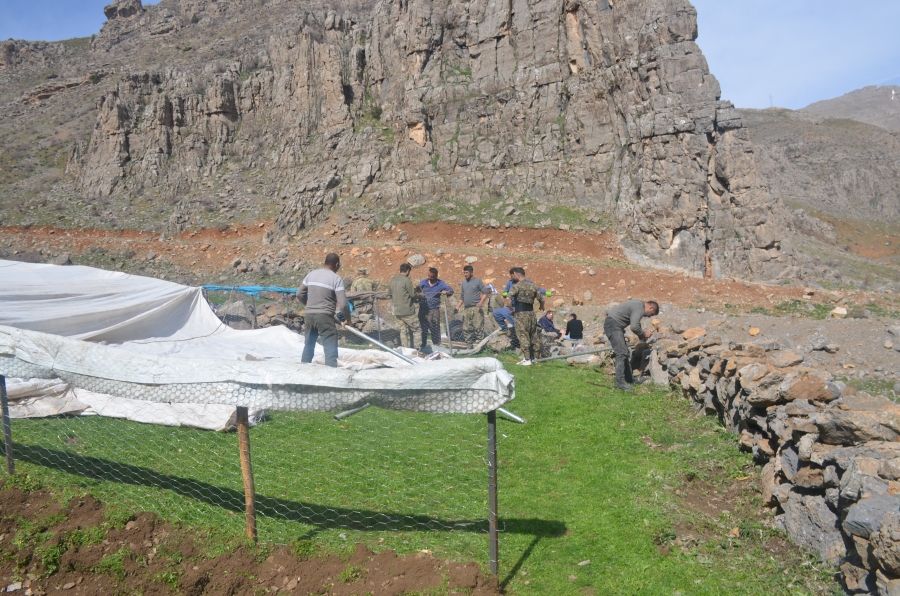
(595, 475)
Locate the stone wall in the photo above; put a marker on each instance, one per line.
(830, 455)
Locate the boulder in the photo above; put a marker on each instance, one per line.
(500, 343)
(858, 419)
(694, 332)
(856, 579)
(62, 259)
(864, 518)
(786, 358)
(886, 543)
(769, 482)
(886, 585)
(236, 314)
(811, 523)
(838, 313)
(416, 260)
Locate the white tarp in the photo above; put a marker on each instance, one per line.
(39, 398)
(152, 340)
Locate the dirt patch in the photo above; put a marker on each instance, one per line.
(81, 548)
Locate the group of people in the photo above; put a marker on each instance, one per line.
(417, 309)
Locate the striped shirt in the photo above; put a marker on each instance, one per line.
(322, 292)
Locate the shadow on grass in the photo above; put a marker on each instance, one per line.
(320, 516)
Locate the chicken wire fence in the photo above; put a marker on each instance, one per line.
(415, 481)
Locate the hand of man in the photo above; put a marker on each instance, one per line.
(456, 310)
(647, 335)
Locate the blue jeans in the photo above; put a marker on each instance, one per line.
(502, 316)
(316, 326)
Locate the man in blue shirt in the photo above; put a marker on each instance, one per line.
(430, 307)
(502, 315)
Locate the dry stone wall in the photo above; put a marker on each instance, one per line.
(831, 456)
(608, 106)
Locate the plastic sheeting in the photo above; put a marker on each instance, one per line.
(157, 341)
(40, 398)
(251, 290)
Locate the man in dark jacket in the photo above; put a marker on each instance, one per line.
(546, 323)
(629, 313)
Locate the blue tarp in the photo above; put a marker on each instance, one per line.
(251, 290)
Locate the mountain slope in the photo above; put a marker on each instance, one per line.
(196, 113)
(878, 106)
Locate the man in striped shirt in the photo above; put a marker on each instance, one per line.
(322, 292)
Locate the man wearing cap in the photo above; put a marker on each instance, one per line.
(430, 306)
(322, 292)
(629, 313)
(472, 297)
(405, 297)
(363, 284)
(521, 299)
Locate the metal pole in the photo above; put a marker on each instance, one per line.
(356, 331)
(447, 323)
(348, 413)
(571, 355)
(493, 525)
(243, 428)
(377, 317)
(7, 430)
(254, 311)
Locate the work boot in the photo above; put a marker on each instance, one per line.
(623, 386)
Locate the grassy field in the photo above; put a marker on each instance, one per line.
(600, 493)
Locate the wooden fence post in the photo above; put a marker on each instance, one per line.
(243, 429)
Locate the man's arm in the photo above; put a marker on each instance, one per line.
(484, 296)
(446, 289)
(303, 293)
(342, 305)
(636, 316)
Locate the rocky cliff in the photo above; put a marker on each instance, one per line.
(607, 107)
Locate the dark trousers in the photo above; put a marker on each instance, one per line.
(616, 335)
(319, 326)
(430, 319)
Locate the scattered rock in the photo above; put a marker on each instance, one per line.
(838, 313)
(786, 359)
(416, 260)
(588, 296)
(754, 331)
(62, 260)
(694, 332)
(471, 259)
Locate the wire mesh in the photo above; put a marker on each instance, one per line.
(405, 480)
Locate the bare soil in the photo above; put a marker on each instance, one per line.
(149, 557)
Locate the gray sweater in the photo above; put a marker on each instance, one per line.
(322, 292)
(628, 313)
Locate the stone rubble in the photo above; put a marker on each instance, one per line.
(831, 455)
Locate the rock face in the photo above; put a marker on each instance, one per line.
(608, 106)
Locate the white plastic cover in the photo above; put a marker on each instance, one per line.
(158, 341)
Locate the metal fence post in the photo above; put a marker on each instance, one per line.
(243, 429)
(7, 430)
(493, 526)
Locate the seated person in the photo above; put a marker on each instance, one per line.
(574, 328)
(546, 324)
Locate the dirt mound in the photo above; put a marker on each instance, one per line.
(81, 547)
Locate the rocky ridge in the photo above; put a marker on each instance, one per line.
(606, 107)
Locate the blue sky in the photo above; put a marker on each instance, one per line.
(797, 51)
